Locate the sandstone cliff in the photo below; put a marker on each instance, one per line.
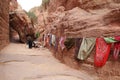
(13, 5)
(85, 18)
(20, 22)
(91, 16)
(4, 23)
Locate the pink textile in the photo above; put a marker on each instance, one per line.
(117, 38)
(61, 42)
(116, 50)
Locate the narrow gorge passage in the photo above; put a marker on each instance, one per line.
(59, 26)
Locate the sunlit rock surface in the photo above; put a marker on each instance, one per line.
(4, 23)
(91, 18)
(21, 23)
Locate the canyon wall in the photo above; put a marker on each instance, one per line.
(76, 17)
(85, 18)
(4, 23)
(20, 21)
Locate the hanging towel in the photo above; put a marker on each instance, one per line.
(53, 40)
(78, 42)
(50, 41)
(45, 40)
(61, 42)
(69, 43)
(116, 48)
(110, 40)
(56, 44)
(117, 38)
(86, 47)
(102, 52)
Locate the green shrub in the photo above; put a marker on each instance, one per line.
(37, 35)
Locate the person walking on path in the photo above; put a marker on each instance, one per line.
(29, 42)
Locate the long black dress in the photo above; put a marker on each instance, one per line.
(29, 42)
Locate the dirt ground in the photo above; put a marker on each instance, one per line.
(17, 62)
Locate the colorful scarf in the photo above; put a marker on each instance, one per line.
(110, 40)
(61, 42)
(117, 38)
(102, 52)
(78, 42)
(116, 48)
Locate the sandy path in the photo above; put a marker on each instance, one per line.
(19, 63)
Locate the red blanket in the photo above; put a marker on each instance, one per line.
(102, 52)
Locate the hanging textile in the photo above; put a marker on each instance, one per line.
(69, 43)
(45, 40)
(110, 40)
(61, 42)
(50, 42)
(116, 48)
(86, 47)
(56, 44)
(53, 40)
(102, 52)
(117, 38)
(78, 42)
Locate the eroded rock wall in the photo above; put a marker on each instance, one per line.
(13, 5)
(68, 4)
(20, 22)
(81, 16)
(83, 4)
(87, 18)
(4, 23)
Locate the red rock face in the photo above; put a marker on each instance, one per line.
(21, 24)
(20, 21)
(84, 4)
(86, 18)
(13, 5)
(68, 4)
(4, 21)
(96, 17)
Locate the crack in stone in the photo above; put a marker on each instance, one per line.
(12, 61)
(44, 76)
